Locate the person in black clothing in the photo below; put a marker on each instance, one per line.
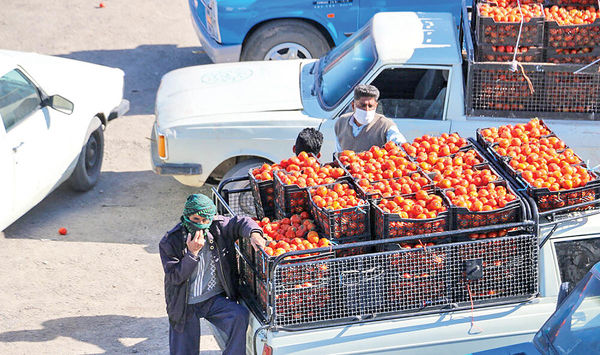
(199, 259)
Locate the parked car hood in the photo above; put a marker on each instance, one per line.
(206, 91)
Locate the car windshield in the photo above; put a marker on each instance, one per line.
(342, 68)
(574, 327)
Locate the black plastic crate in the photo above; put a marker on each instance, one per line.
(494, 269)
(547, 200)
(289, 199)
(490, 32)
(572, 36)
(487, 54)
(463, 218)
(391, 225)
(346, 222)
(561, 56)
(264, 196)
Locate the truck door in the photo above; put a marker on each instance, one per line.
(368, 8)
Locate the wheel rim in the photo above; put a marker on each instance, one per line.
(91, 153)
(286, 51)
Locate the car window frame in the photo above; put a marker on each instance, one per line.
(418, 66)
(39, 92)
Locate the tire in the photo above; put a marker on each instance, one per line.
(243, 202)
(89, 163)
(285, 39)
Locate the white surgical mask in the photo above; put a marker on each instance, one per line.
(364, 117)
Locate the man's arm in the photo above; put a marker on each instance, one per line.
(177, 270)
(244, 227)
(394, 135)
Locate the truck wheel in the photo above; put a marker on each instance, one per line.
(285, 39)
(242, 203)
(87, 171)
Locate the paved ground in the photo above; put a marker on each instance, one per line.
(99, 288)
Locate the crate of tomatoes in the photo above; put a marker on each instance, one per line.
(584, 55)
(263, 190)
(572, 27)
(419, 213)
(497, 25)
(291, 187)
(338, 210)
(495, 203)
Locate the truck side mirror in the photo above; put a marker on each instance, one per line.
(562, 293)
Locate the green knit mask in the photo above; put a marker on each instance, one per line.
(201, 205)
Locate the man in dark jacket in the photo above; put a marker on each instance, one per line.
(198, 259)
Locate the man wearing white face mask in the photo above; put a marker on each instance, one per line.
(363, 128)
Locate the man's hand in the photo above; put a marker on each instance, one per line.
(257, 241)
(196, 243)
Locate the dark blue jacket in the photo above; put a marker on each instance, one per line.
(179, 264)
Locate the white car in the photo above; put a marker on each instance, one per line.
(53, 113)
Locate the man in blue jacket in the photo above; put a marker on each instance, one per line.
(198, 259)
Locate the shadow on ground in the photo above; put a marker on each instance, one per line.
(115, 334)
(144, 66)
(125, 207)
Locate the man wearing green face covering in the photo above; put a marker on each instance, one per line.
(198, 258)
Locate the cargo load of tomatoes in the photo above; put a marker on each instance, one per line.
(393, 187)
(553, 174)
(499, 24)
(377, 163)
(338, 211)
(572, 27)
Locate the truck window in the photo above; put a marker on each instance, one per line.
(576, 257)
(412, 93)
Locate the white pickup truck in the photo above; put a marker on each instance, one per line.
(220, 120)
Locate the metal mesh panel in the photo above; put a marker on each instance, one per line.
(362, 285)
(497, 268)
(495, 90)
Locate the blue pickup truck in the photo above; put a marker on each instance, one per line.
(245, 30)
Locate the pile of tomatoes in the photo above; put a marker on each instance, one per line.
(510, 12)
(452, 177)
(396, 186)
(311, 176)
(487, 198)
(423, 205)
(336, 197)
(289, 234)
(572, 27)
(303, 160)
(541, 158)
(377, 163)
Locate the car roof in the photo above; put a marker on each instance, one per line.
(416, 38)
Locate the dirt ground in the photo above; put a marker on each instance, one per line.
(99, 289)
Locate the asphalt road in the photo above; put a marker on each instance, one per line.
(99, 288)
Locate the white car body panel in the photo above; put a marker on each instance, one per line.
(48, 142)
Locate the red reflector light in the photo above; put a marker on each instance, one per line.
(267, 350)
(330, 15)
